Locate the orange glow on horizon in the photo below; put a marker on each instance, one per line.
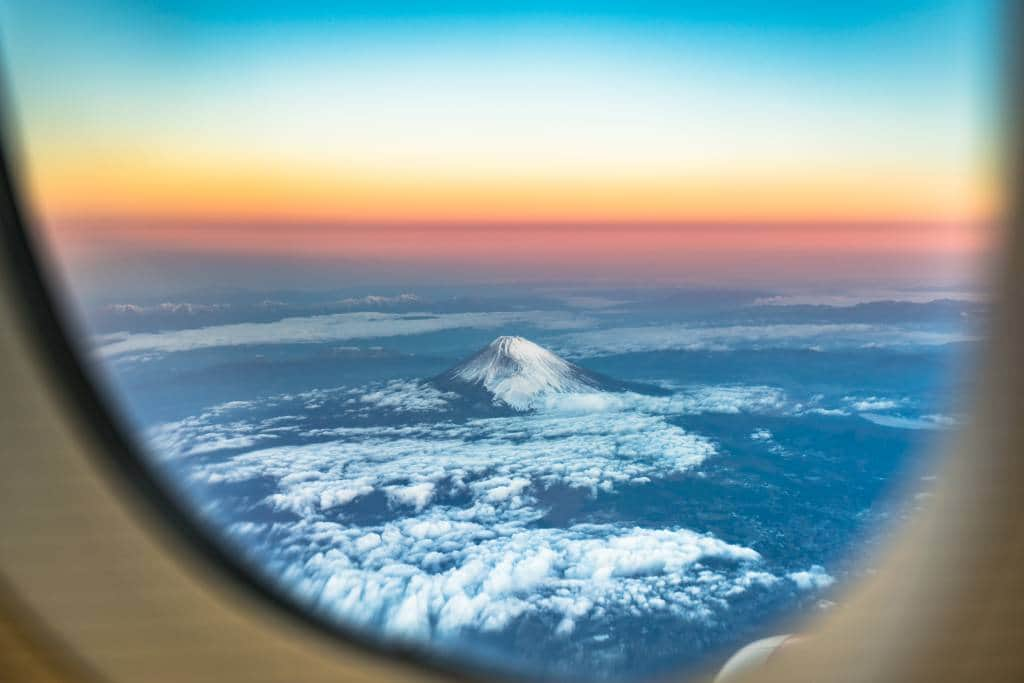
(613, 221)
(146, 188)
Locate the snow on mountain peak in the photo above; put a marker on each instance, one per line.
(516, 372)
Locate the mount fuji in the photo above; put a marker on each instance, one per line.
(515, 372)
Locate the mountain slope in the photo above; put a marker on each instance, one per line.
(516, 372)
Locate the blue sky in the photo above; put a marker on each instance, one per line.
(487, 113)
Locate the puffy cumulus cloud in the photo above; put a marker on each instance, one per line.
(761, 434)
(873, 403)
(208, 432)
(406, 396)
(417, 495)
(678, 337)
(328, 328)
(460, 543)
(815, 578)
(499, 462)
(685, 400)
(727, 399)
(437, 574)
(234, 425)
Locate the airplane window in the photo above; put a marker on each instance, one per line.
(574, 340)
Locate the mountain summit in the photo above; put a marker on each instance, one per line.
(516, 372)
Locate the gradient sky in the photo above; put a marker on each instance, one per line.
(361, 129)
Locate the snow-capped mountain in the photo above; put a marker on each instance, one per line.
(516, 372)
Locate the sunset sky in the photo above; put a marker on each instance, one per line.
(429, 132)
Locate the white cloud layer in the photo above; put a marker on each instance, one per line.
(328, 328)
(222, 425)
(594, 452)
(900, 422)
(461, 543)
(848, 299)
(610, 341)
